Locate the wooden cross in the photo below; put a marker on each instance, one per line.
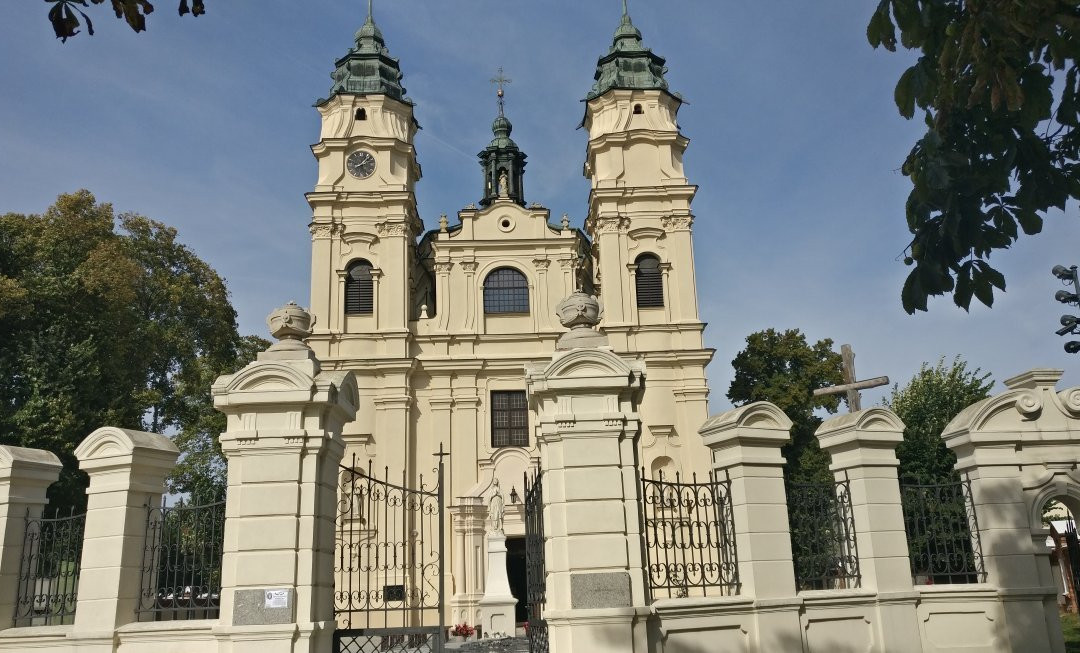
(851, 386)
(501, 79)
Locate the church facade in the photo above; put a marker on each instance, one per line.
(438, 325)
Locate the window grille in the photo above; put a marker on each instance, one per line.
(649, 282)
(359, 289)
(506, 291)
(509, 419)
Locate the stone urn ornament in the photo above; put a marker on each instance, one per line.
(290, 324)
(580, 312)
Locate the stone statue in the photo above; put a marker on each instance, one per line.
(496, 508)
(504, 184)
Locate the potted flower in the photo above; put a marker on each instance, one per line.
(462, 632)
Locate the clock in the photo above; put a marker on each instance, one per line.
(360, 164)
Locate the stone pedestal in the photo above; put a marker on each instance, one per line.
(863, 450)
(497, 606)
(588, 428)
(283, 444)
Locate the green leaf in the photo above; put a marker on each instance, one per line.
(983, 290)
(1030, 221)
(904, 94)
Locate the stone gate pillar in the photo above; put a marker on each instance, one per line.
(283, 443)
(862, 446)
(585, 399)
(1019, 449)
(745, 444)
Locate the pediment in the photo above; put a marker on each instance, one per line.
(268, 376)
(110, 441)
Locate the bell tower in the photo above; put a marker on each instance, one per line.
(364, 216)
(640, 224)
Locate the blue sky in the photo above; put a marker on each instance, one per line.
(796, 145)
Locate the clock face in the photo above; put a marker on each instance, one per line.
(360, 164)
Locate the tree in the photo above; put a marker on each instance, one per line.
(997, 83)
(104, 319)
(64, 14)
(782, 368)
(933, 397)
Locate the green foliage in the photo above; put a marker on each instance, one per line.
(783, 368)
(64, 14)
(997, 153)
(105, 320)
(933, 397)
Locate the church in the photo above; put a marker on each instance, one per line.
(439, 318)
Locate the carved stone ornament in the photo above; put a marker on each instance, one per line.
(580, 313)
(290, 324)
(677, 222)
(611, 224)
(469, 266)
(387, 229)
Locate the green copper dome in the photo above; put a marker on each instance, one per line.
(368, 68)
(628, 64)
(503, 163)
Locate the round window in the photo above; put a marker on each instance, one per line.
(506, 223)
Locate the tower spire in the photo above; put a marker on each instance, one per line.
(625, 11)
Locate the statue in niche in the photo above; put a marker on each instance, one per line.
(496, 507)
(504, 184)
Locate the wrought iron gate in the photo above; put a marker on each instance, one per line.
(388, 566)
(1072, 547)
(534, 563)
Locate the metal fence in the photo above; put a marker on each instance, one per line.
(388, 561)
(49, 570)
(689, 536)
(942, 533)
(823, 546)
(535, 563)
(181, 568)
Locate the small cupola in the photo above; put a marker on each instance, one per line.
(502, 161)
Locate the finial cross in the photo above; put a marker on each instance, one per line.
(370, 13)
(625, 11)
(499, 80)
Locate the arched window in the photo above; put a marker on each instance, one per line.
(359, 289)
(649, 282)
(361, 114)
(638, 110)
(506, 291)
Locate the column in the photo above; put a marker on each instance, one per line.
(127, 474)
(863, 450)
(283, 445)
(745, 445)
(25, 475)
(588, 432)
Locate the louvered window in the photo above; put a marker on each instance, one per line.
(649, 282)
(509, 419)
(359, 289)
(506, 291)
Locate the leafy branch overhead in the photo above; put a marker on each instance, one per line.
(67, 16)
(996, 83)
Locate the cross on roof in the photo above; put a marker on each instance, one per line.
(501, 79)
(851, 387)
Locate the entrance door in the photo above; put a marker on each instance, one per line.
(519, 582)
